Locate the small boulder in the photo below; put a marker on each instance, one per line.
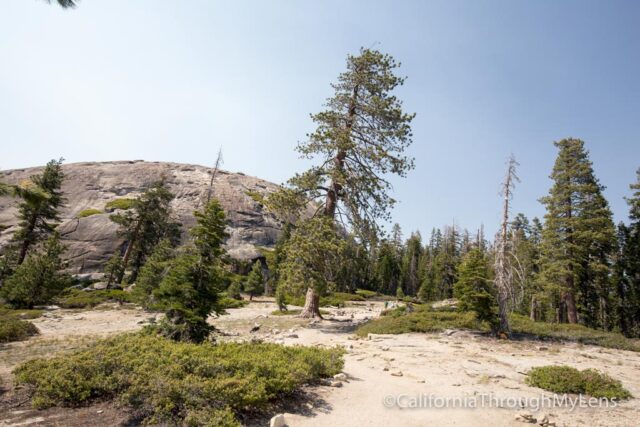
(277, 421)
(340, 377)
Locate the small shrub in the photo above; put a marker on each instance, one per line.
(367, 294)
(293, 312)
(226, 302)
(397, 322)
(12, 329)
(122, 204)
(177, 383)
(89, 212)
(76, 298)
(565, 379)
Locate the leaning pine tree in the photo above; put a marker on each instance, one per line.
(360, 137)
(578, 239)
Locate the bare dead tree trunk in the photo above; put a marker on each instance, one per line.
(503, 279)
(311, 307)
(213, 174)
(534, 309)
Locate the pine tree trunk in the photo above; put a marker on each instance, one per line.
(26, 243)
(311, 307)
(570, 302)
(533, 310)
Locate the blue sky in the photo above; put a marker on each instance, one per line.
(174, 81)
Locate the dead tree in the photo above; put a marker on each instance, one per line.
(503, 278)
(219, 162)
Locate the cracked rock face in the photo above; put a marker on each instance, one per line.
(92, 240)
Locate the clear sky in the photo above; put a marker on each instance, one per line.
(176, 80)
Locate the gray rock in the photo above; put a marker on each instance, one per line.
(92, 240)
(277, 421)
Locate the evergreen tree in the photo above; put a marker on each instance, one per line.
(360, 138)
(144, 226)
(39, 278)
(627, 267)
(38, 212)
(189, 291)
(411, 278)
(474, 289)
(254, 283)
(578, 239)
(152, 272)
(312, 261)
(387, 268)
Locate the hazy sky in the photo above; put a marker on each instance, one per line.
(176, 80)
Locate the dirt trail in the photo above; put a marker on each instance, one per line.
(407, 367)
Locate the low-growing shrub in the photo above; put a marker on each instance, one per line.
(421, 320)
(365, 293)
(76, 298)
(335, 299)
(226, 302)
(89, 212)
(122, 204)
(572, 333)
(13, 329)
(169, 382)
(293, 312)
(565, 379)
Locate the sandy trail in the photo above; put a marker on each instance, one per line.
(455, 364)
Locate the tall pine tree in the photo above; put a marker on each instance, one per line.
(578, 239)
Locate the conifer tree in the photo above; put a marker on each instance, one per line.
(360, 138)
(577, 239)
(473, 288)
(190, 289)
(144, 225)
(39, 278)
(38, 212)
(254, 283)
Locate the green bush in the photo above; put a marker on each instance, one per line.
(13, 329)
(421, 320)
(89, 212)
(177, 383)
(122, 204)
(335, 299)
(364, 293)
(572, 332)
(565, 379)
(226, 302)
(76, 298)
(7, 312)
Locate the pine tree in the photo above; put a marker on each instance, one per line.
(387, 268)
(189, 291)
(360, 138)
(312, 261)
(38, 212)
(39, 278)
(627, 267)
(144, 225)
(153, 272)
(577, 239)
(473, 288)
(411, 278)
(254, 283)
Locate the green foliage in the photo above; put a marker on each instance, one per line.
(254, 285)
(311, 257)
(76, 298)
(89, 212)
(281, 299)
(120, 204)
(578, 239)
(153, 272)
(14, 329)
(421, 320)
(40, 278)
(38, 212)
(188, 293)
(293, 312)
(227, 302)
(400, 293)
(168, 382)
(367, 294)
(148, 221)
(334, 299)
(565, 379)
(233, 291)
(572, 332)
(255, 196)
(473, 288)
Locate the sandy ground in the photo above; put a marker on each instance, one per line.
(387, 375)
